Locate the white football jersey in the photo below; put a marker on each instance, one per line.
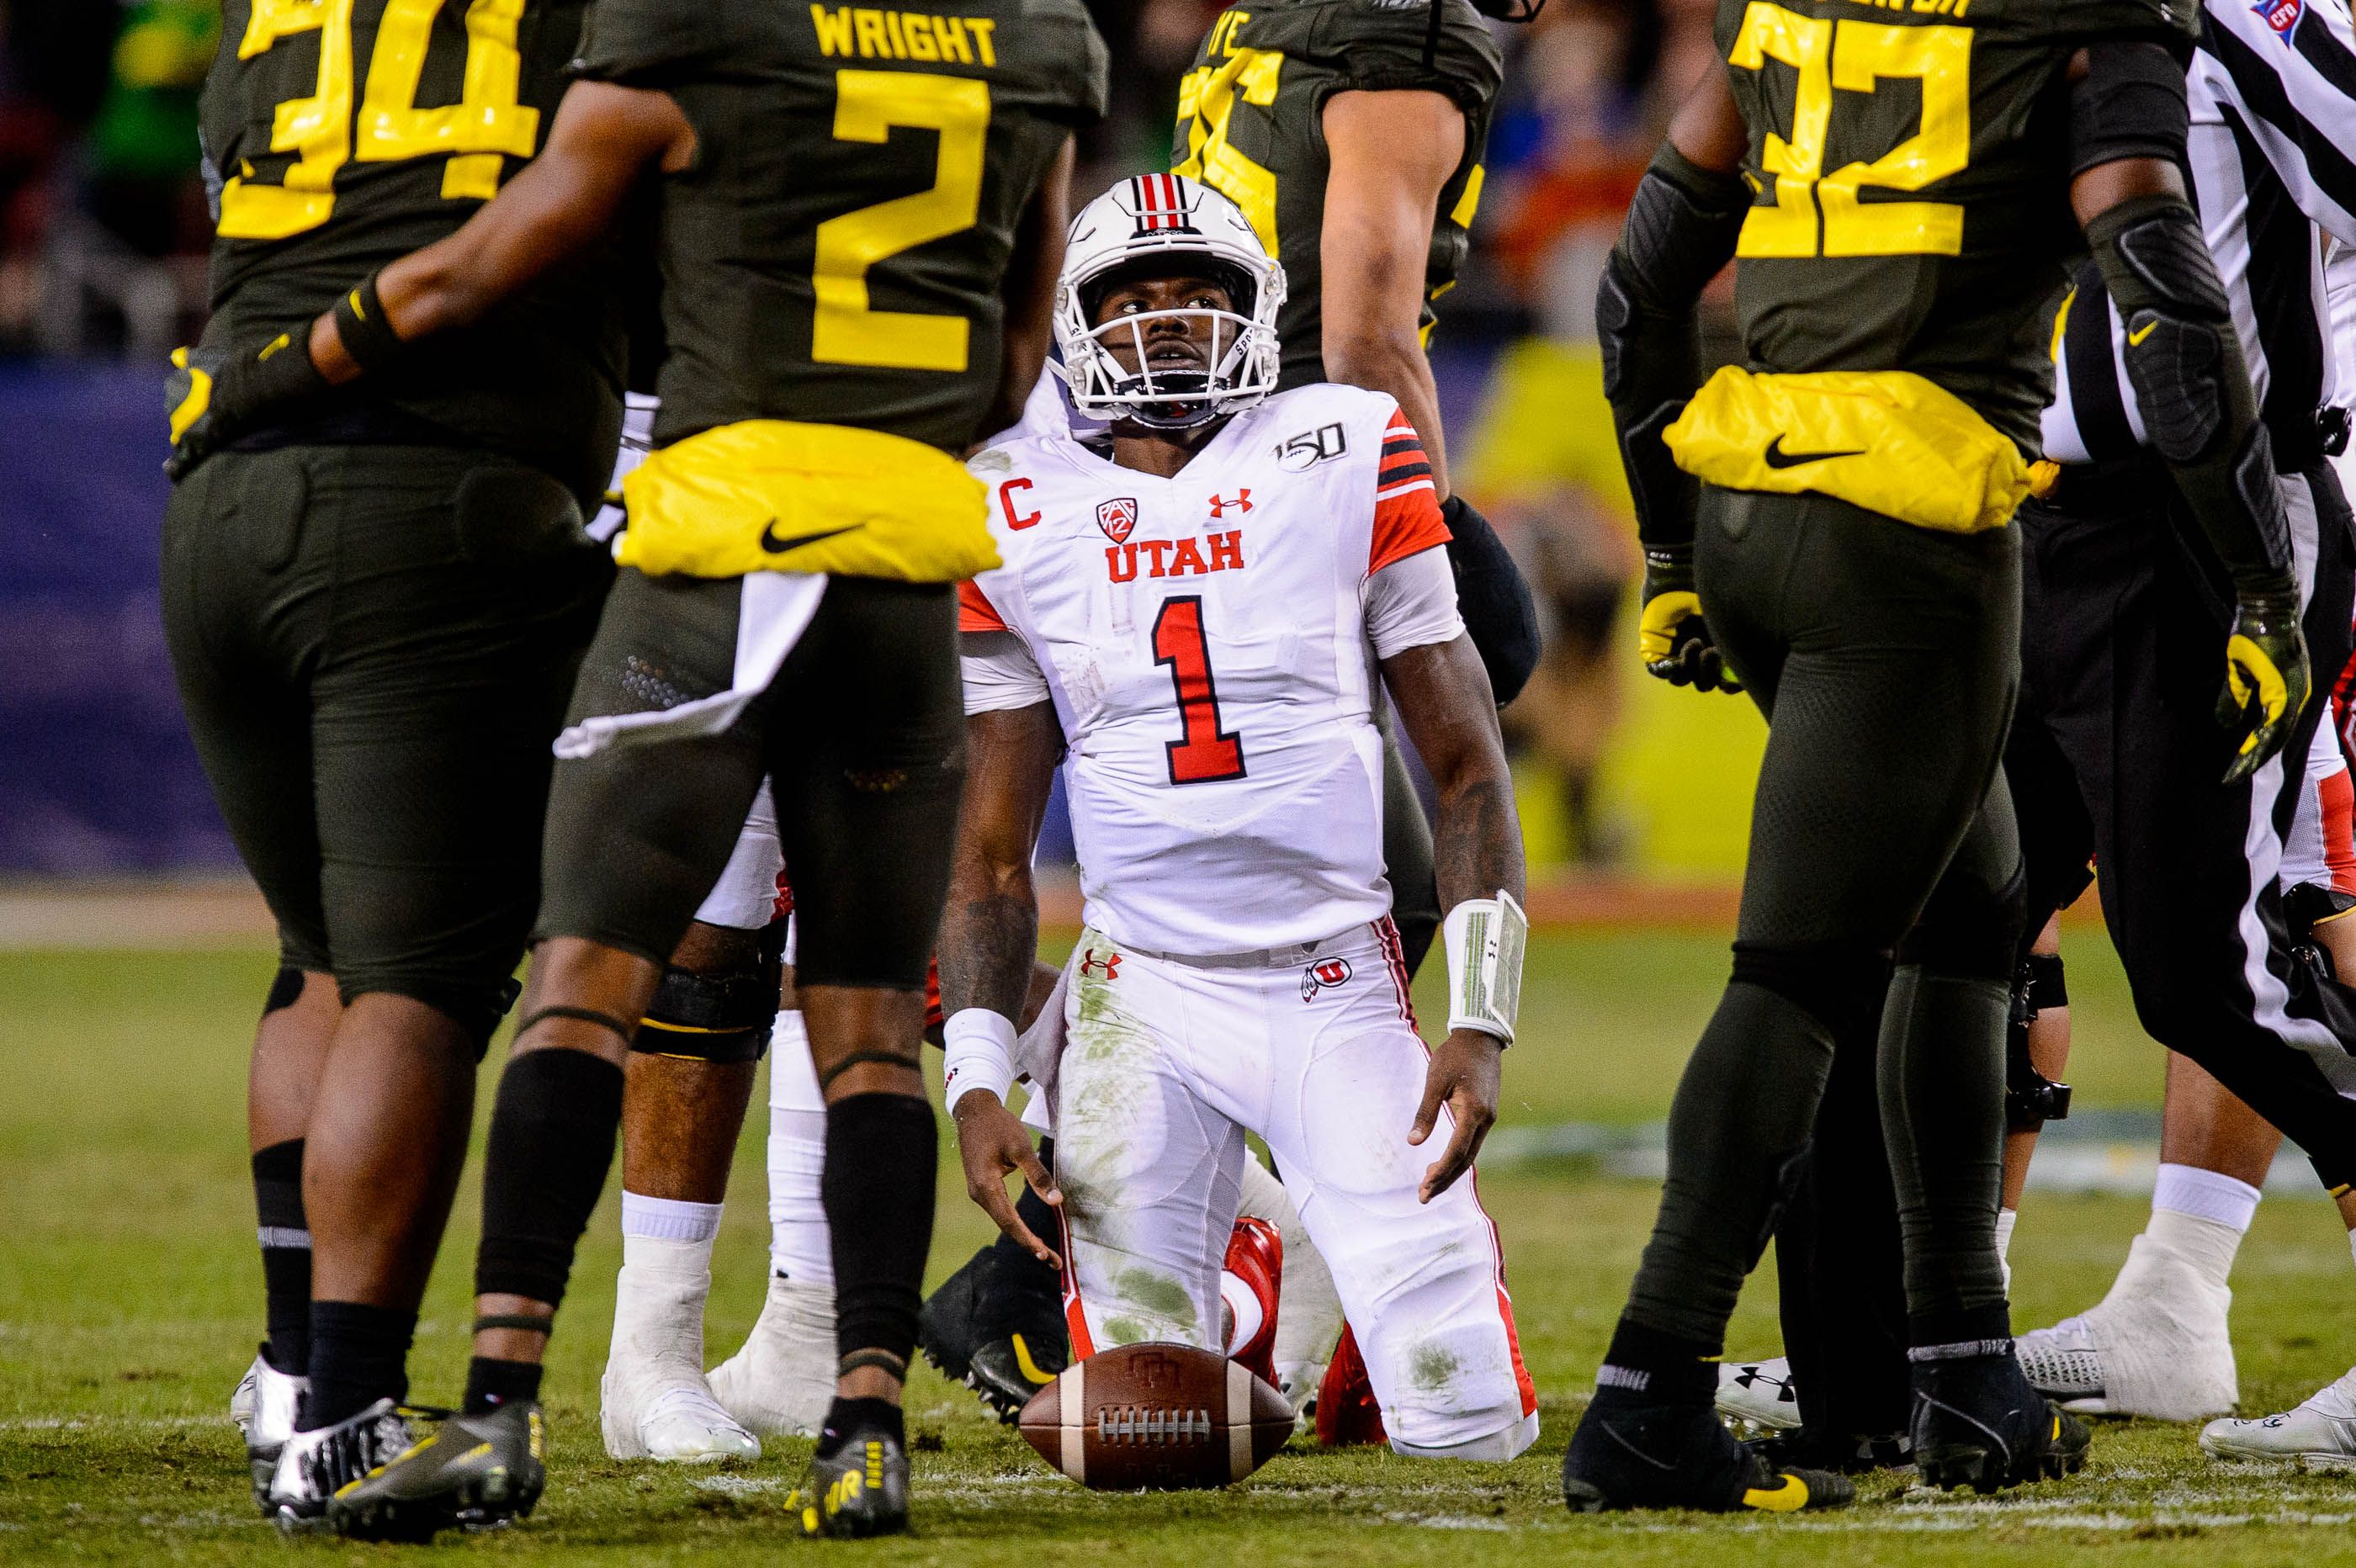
(1205, 639)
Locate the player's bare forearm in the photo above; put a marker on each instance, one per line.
(1030, 291)
(560, 204)
(1390, 153)
(1443, 698)
(990, 930)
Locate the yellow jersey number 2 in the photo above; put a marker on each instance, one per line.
(1820, 214)
(326, 131)
(845, 328)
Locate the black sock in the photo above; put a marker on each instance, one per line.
(1740, 1129)
(1648, 1366)
(845, 1416)
(491, 1382)
(878, 1191)
(1941, 1079)
(359, 1354)
(285, 1237)
(552, 1143)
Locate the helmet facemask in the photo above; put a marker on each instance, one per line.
(1231, 361)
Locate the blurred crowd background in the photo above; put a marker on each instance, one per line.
(103, 227)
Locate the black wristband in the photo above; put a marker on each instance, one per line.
(366, 331)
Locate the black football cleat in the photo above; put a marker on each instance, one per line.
(1627, 1453)
(1020, 1342)
(1978, 1424)
(945, 1326)
(312, 1465)
(475, 1472)
(1849, 1454)
(861, 1489)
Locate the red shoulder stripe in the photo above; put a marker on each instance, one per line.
(975, 612)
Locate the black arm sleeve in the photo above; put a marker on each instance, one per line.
(2182, 356)
(1681, 229)
(1500, 615)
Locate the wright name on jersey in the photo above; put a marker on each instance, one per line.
(1206, 641)
(836, 251)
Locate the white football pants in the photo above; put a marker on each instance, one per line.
(1167, 1064)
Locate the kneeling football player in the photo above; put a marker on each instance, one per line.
(1192, 618)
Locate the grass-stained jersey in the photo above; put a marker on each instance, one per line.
(1251, 126)
(1910, 161)
(835, 252)
(346, 133)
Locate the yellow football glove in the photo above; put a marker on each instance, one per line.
(213, 397)
(1671, 636)
(2266, 679)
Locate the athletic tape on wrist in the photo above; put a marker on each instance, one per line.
(1485, 938)
(979, 1046)
(366, 332)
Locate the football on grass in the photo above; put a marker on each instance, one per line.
(1156, 1417)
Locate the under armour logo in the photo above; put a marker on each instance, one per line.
(1241, 503)
(1108, 966)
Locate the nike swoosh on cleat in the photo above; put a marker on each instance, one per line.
(1789, 1498)
(1776, 457)
(1029, 1367)
(2135, 339)
(773, 545)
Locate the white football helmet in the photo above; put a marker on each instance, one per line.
(1153, 221)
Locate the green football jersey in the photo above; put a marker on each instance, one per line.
(1251, 126)
(837, 251)
(342, 134)
(1911, 163)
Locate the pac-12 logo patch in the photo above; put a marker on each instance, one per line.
(1117, 517)
(2282, 15)
(1325, 972)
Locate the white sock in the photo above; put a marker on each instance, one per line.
(2005, 1219)
(2201, 1217)
(1244, 1315)
(800, 1246)
(667, 1220)
(2352, 1241)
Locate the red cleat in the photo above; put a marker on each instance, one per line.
(1255, 1260)
(1348, 1414)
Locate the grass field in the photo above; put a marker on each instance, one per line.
(129, 1300)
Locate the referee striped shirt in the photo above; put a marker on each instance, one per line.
(2271, 158)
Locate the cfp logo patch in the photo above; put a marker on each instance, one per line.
(1108, 966)
(2282, 15)
(1312, 447)
(1324, 973)
(1118, 518)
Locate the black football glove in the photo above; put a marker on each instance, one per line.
(2266, 678)
(1670, 632)
(212, 398)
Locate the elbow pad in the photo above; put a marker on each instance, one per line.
(1500, 615)
(1682, 226)
(2190, 384)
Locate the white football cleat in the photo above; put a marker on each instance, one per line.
(781, 1382)
(2320, 1432)
(263, 1409)
(653, 1402)
(2157, 1346)
(1757, 1397)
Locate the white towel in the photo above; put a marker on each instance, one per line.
(773, 613)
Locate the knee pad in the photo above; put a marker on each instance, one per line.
(2305, 907)
(725, 1018)
(1968, 931)
(1840, 988)
(2031, 1099)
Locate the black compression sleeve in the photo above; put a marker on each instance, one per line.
(2130, 104)
(1500, 615)
(1681, 228)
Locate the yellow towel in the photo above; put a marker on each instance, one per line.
(779, 496)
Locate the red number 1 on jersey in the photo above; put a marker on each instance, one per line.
(1206, 755)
